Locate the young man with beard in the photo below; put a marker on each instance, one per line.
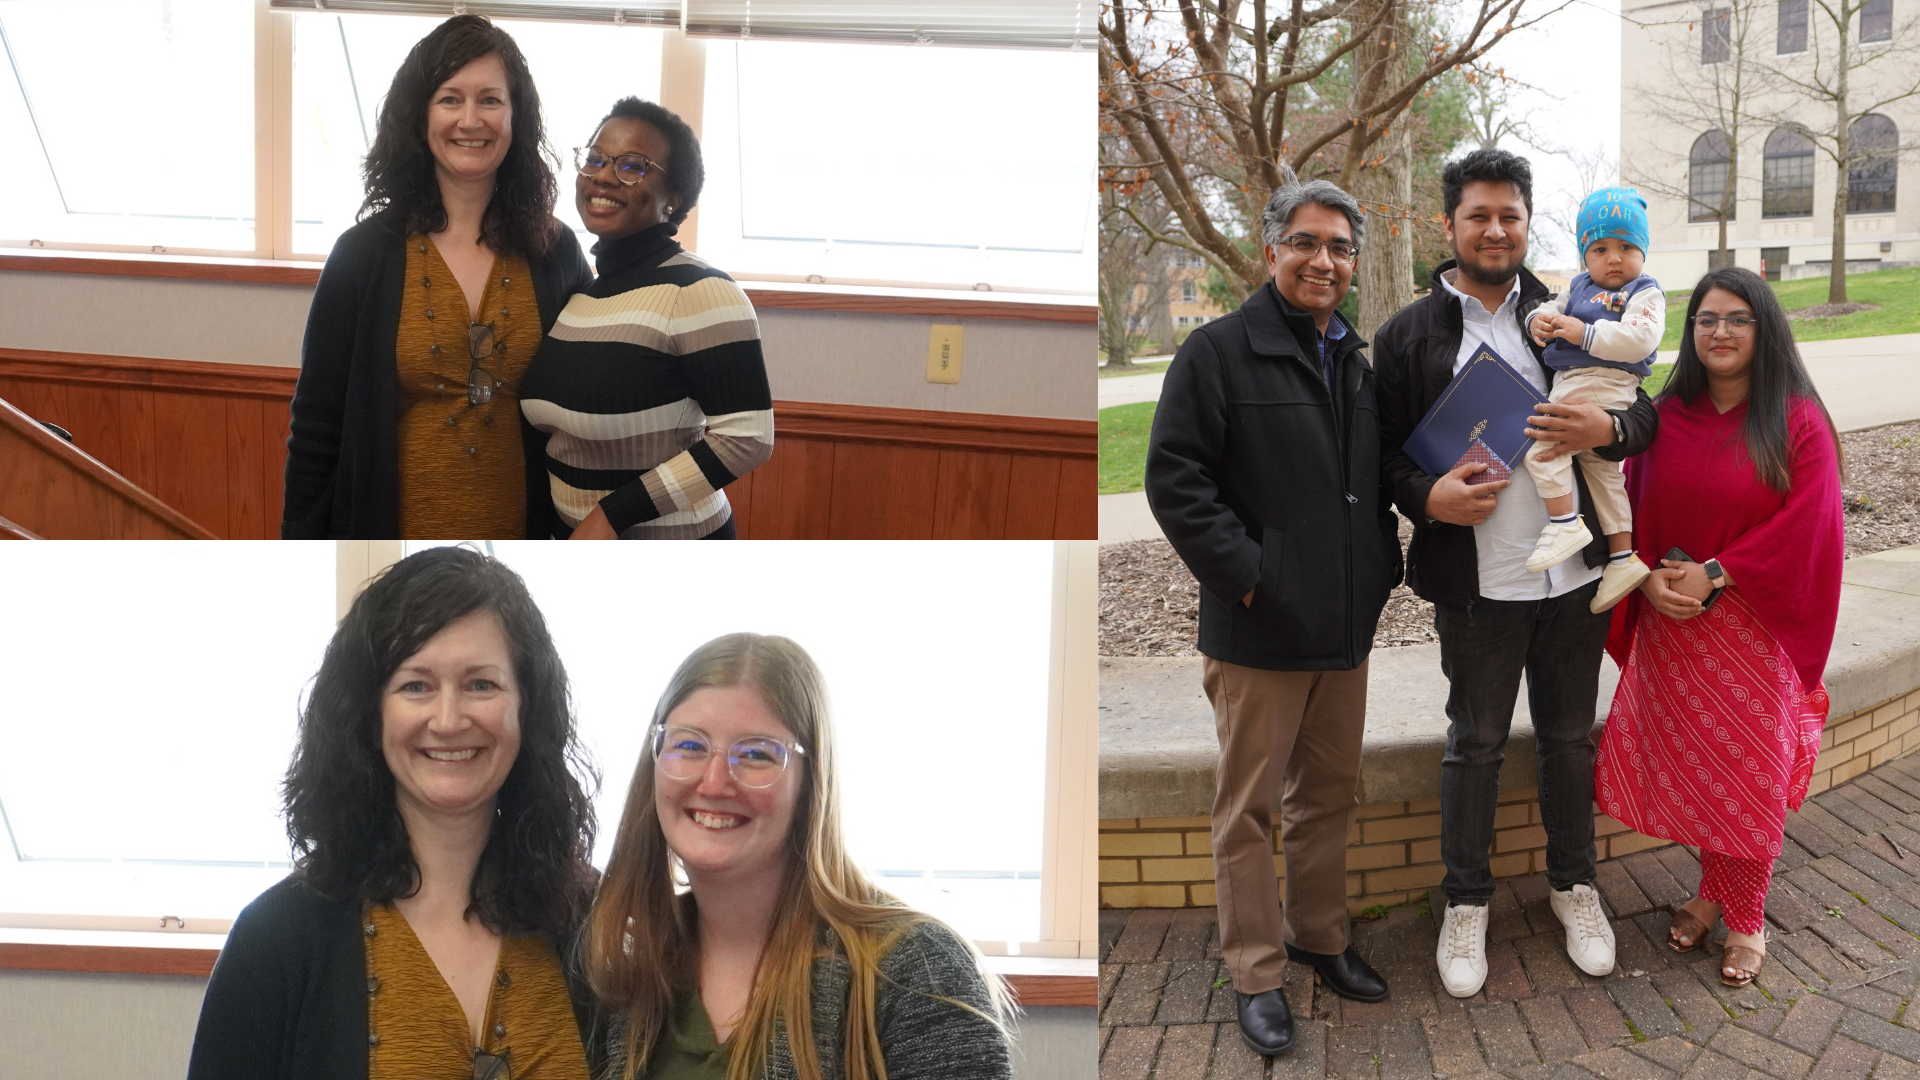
(1263, 471)
(1468, 557)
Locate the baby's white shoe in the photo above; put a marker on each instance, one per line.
(1556, 543)
(1621, 577)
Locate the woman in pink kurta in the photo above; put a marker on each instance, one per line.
(1716, 722)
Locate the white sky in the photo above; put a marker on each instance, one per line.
(1572, 55)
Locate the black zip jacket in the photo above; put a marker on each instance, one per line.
(1413, 358)
(1264, 481)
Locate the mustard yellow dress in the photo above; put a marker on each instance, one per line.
(416, 1029)
(463, 472)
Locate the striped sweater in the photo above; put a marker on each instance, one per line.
(651, 391)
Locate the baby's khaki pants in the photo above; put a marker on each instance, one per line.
(1612, 389)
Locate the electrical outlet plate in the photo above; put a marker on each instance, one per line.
(943, 353)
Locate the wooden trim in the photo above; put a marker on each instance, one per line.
(870, 424)
(192, 267)
(874, 424)
(193, 376)
(107, 959)
(10, 531)
(271, 272)
(1028, 989)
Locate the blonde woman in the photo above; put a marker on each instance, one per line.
(782, 960)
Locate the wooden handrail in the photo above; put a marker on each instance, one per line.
(53, 489)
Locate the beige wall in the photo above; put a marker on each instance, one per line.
(1010, 367)
(1661, 39)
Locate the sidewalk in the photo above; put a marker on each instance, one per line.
(1831, 1002)
(1865, 382)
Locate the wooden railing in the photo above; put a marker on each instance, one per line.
(51, 489)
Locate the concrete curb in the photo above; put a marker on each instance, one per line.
(1158, 750)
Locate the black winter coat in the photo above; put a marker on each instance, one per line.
(288, 996)
(343, 453)
(1413, 355)
(1264, 481)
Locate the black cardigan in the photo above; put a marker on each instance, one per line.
(343, 454)
(288, 996)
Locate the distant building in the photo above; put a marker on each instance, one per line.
(1187, 303)
(1783, 209)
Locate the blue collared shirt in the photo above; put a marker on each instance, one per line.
(1335, 331)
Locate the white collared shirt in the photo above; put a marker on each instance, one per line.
(1508, 535)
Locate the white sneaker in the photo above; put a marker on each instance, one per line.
(1462, 955)
(1589, 937)
(1619, 579)
(1556, 543)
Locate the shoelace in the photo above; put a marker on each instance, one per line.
(1586, 909)
(1460, 937)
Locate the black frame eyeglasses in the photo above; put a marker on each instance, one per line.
(590, 161)
(757, 761)
(1738, 326)
(480, 346)
(1307, 247)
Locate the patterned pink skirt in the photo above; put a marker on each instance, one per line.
(1710, 739)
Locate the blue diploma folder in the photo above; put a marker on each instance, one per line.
(1481, 416)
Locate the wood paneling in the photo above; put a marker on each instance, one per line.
(209, 440)
(51, 489)
(211, 268)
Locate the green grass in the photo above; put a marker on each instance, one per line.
(1136, 369)
(1123, 446)
(1124, 428)
(1896, 291)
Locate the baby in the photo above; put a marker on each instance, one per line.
(1604, 330)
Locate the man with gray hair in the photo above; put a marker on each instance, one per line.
(1263, 470)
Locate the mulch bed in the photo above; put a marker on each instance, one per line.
(1149, 603)
(1828, 311)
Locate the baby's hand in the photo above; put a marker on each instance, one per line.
(1569, 328)
(1542, 327)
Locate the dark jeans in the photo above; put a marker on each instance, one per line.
(1484, 646)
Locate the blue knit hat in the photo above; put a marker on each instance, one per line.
(1614, 211)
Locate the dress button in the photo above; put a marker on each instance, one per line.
(471, 450)
(373, 985)
(369, 929)
(373, 1039)
(429, 314)
(504, 282)
(428, 282)
(503, 978)
(499, 1031)
(451, 422)
(435, 347)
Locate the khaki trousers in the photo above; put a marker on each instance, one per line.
(1609, 388)
(1295, 734)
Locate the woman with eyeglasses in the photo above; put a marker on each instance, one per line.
(438, 809)
(406, 417)
(1716, 723)
(780, 959)
(649, 390)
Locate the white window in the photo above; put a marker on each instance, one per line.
(150, 709)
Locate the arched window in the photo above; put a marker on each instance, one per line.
(1707, 168)
(1786, 175)
(1872, 141)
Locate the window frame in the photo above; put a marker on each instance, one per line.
(1767, 189)
(1780, 27)
(1069, 872)
(682, 89)
(1721, 17)
(1888, 162)
(1699, 212)
(1861, 30)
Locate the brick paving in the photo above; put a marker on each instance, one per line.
(1832, 1002)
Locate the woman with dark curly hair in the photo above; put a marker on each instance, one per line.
(650, 388)
(781, 960)
(406, 416)
(438, 809)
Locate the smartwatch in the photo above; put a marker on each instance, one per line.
(1619, 433)
(1716, 577)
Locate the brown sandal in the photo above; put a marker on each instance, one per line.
(1687, 931)
(1743, 960)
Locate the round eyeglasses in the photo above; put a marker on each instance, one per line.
(630, 169)
(1737, 325)
(755, 762)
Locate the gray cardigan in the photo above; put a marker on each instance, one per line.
(921, 1036)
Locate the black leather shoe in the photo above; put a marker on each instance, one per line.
(1344, 973)
(1265, 1022)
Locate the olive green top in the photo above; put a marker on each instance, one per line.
(688, 1051)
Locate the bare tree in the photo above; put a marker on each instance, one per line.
(1711, 92)
(1209, 108)
(1826, 76)
(1133, 278)
(1595, 169)
(1495, 115)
